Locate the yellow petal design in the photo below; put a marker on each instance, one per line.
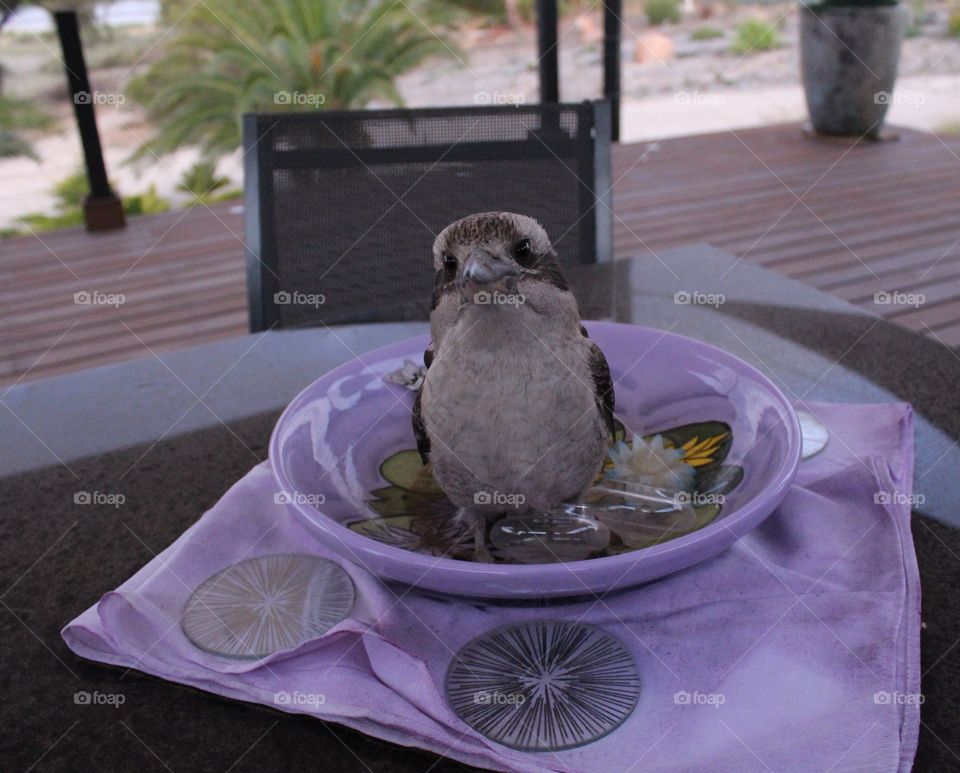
(700, 452)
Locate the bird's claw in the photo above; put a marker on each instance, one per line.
(482, 555)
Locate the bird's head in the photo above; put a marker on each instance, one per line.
(488, 253)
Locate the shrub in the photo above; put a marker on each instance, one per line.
(950, 129)
(17, 116)
(706, 33)
(147, 203)
(68, 210)
(661, 11)
(71, 191)
(754, 35)
(953, 25)
(202, 181)
(38, 221)
(916, 15)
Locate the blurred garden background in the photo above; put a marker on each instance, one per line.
(171, 79)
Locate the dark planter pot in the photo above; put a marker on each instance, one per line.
(849, 57)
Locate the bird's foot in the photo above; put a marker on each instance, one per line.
(481, 554)
(476, 522)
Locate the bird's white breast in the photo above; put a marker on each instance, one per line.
(509, 405)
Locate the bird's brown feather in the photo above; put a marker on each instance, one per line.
(419, 430)
(602, 384)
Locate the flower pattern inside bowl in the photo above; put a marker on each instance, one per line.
(682, 468)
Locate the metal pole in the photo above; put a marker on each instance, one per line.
(102, 209)
(612, 13)
(547, 50)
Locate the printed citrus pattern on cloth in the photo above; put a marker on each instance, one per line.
(544, 685)
(413, 513)
(263, 605)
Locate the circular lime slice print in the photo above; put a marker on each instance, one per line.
(263, 605)
(544, 685)
(814, 434)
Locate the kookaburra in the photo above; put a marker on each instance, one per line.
(515, 412)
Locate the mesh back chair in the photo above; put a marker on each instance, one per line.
(342, 207)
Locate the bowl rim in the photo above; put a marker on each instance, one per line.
(359, 545)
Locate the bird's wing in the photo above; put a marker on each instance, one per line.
(419, 429)
(602, 384)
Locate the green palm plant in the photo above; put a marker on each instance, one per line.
(229, 58)
(16, 117)
(202, 182)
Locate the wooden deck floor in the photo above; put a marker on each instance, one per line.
(850, 218)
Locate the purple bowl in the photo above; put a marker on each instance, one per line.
(327, 448)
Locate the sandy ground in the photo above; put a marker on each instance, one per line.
(703, 88)
(926, 103)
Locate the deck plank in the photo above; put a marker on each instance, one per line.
(851, 218)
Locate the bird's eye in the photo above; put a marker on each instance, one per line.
(449, 262)
(522, 250)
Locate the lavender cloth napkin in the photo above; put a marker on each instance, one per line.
(796, 649)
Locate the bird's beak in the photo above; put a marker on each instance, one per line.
(485, 272)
